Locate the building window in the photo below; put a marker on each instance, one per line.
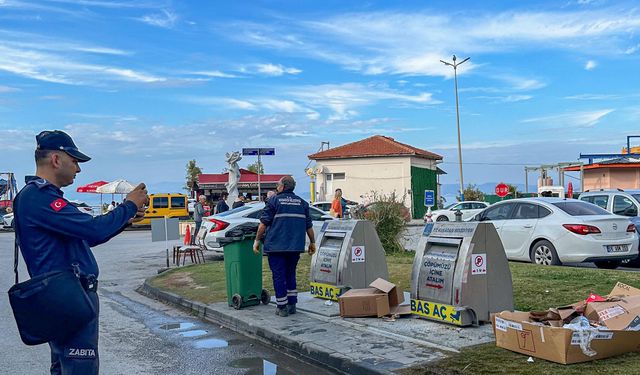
(338, 176)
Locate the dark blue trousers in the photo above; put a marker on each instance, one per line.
(283, 269)
(78, 355)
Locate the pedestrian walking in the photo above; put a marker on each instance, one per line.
(53, 235)
(198, 213)
(222, 205)
(287, 218)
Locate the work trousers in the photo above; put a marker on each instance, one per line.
(78, 355)
(283, 269)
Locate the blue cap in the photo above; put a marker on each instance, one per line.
(57, 140)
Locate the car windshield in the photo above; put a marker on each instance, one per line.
(451, 205)
(581, 208)
(235, 210)
(636, 196)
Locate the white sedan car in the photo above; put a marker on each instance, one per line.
(552, 231)
(468, 209)
(7, 220)
(215, 228)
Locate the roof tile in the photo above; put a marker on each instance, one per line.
(377, 145)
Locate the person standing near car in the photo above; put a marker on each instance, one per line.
(222, 205)
(287, 218)
(53, 235)
(336, 205)
(198, 213)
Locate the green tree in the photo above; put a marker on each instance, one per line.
(256, 167)
(513, 190)
(389, 216)
(193, 171)
(472, 193)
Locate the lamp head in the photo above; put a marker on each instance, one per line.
(454, 58)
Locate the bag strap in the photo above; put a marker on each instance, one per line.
(15, 231)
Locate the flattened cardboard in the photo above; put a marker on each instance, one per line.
(623, 314)
(514, 332)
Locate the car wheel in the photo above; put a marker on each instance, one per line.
(442, 218)
(544, 253)
(608, 264)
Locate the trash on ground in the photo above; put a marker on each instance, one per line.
(597, 327)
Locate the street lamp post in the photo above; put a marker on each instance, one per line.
(455, 78)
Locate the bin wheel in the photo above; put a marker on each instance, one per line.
(265, 297)
(236, 301)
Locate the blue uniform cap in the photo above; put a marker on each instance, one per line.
(57, 140)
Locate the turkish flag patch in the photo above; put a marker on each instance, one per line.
(58, 204)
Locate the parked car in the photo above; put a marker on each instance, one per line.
(217, 226)
(191, 204)
(7, 220)
(619, 202)
(468, 209)
(326, 206)
(552, 231)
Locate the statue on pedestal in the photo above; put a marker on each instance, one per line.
(234, 176)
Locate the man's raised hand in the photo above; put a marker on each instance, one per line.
(139, 196)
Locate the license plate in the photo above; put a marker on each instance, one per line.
(617, 248)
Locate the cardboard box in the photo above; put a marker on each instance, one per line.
(515, 331)
(382, 298)
(620, 312)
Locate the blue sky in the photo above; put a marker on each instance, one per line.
(144, 86)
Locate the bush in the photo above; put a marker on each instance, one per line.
(388, 215)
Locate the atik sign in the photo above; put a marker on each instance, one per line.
(502, 190)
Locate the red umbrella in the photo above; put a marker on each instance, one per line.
(570, 190)
(91, 188)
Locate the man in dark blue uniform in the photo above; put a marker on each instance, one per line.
(287, 218)
(55, 235)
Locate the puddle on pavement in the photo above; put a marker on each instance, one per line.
(176, 326)
(194, 333)
(210, 344)
(259, 366)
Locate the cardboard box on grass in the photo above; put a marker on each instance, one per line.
(514, 331)
(380, 299)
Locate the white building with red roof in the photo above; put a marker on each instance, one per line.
(378, 164)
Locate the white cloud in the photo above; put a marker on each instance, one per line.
(592, 97)
(5, 89)
(214, 74)
(166, 19)
(590, 65)
(271, 69)
(63, 68)
(377, 42)
(574, 119)
(632, 50)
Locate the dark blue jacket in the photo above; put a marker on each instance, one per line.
(53, 234)
(287, 218)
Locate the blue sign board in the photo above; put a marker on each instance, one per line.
(258, 151)
(429, 198)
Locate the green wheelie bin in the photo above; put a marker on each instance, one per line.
(243, 270)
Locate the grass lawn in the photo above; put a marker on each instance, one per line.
(534, 288)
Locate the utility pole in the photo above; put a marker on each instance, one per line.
(455, 77)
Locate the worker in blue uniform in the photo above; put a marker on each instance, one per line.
(285, 220)
(55, 235)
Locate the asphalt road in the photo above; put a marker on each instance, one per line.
(139, 335)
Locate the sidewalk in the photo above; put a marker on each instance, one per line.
(344, 345)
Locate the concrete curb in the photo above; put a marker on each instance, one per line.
(309, 351)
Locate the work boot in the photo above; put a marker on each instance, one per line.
(291, 309)
(283, 312)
